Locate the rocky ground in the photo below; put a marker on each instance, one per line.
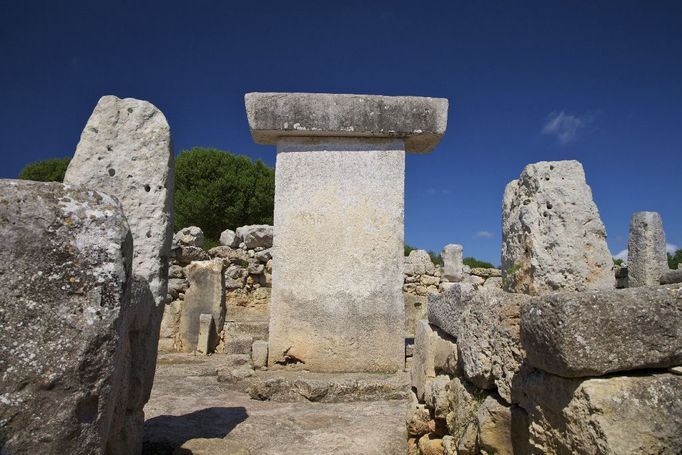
(191, 412)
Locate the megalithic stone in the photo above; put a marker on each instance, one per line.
(337, 302)
(125, 150)
(647, 257)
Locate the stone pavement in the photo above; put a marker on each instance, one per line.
(190, 408)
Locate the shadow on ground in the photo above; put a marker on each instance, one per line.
(165, 433)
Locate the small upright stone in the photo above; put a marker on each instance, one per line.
(453, 267)
(206, 328)
(259, 353)
(647, 258)
(206, 295)
(552, 236)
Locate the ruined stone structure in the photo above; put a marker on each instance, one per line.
(339, 205)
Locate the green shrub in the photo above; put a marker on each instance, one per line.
(674, 259)
(217, 190)
(475, 263)
(51, 170)
(408, 248)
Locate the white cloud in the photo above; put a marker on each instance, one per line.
(565, 127)
(669, 248)
(483, 235)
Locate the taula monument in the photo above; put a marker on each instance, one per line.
(339, 198)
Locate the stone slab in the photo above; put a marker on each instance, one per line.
(206, 295)
(594, 333)
(206, 329)
(419, 121)
(338, 207)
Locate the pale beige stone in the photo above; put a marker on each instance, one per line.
(494, 427)
(206, 328)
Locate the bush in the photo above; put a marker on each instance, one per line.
(475, 263)
(51, 170)
(217, 190)
(675, 259)
(408, 248)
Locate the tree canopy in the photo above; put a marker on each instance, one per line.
(674, 259)
(51, 170)
(217, 190)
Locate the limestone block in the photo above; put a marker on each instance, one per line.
(264, 256)
(493, 283)
(465, 399)
(338, 206)
(672, 277)
(175, 271)
(436, 395)
(430, 445)
(420, 122)
(65, 312)
(418, 262)
(614, 415)
(187, 254)
(206, 295)
(415, 310)
(229, 238)
(445, 310)
(417, 416)
(552, 236)
(189, 236)
(257, 235)
(259, 353)
(489, 343)
(125, 150)
(239, 344)
(647, 258)
(435, 353)
(494, 427)
(206, 329)
(452, 262)
(486, 272)
(591, 334)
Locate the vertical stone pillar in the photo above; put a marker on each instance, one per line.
(337, 301)
(647, 258)
(453, 265)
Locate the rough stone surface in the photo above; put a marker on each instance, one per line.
(489, 342)
(125, 150)
(494, 427)
(206, 329)
(417, 417)
(65, 310)
(445, 310)
(338, 206)
(189, 236)
(434, 354)
(259, 353)
(415, 310)
(616, 415)
(453, 267)
(229, 238)
(672, 277)
(552, 236)
(418, 262)
(647, 258)
(464, 399)
(255, 236)
(419, 121)
(206, 295)
(594, 333)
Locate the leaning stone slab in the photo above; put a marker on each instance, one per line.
(647, 258)
(64, 316)
(614, 415)
(419, 121)
(125, 150)
(594, 333)
(206, 295)
(445, 310)
(552, 236)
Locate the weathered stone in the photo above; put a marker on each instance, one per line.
(415, 310)
(177, 286)
(347, 216)
(591, 334)
(464, 399)
(189, 236)
(429, 280)
(257, 235)
(206, 330)
(237, 360)
(445, 310)
(206, 295)
(418, 262)
(125, 150)
(435, 354)
(494, 427)
(229, 238)
(239, 344)
(449, 445)
(647, 258)
(187, 254)
(259, 353)
(436, 396)
(486, 272)
(614, 415)
(552, 236)
(430, 445)
(234, 375)
(489, 343)
(468, 443)
(672, 277)
(452, 262)
(417, 417)
(494, 283)
(211, 446)
(65, 313)
(264, 256)
(175, 271)
(419, 121)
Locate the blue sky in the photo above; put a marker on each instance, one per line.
(600, 82)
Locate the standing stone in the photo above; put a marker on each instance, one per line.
(339, 196)
(552, 236)
(64, 316)
(206, 295)
(125, 150)
(647, 257)
(259, 353)
(453, 267)
(189, 236)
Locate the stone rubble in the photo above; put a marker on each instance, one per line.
(647, 258)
